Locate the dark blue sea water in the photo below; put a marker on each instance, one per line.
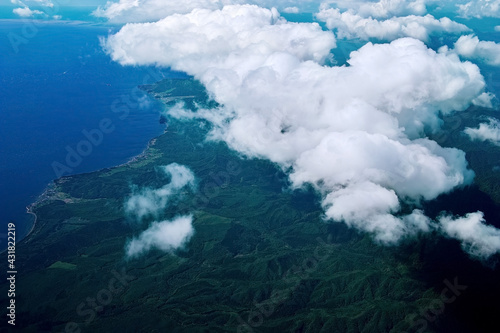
(56, 83)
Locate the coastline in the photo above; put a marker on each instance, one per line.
(49, 188)
(49, 191)
(29, 210)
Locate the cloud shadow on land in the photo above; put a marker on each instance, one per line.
(439, 259)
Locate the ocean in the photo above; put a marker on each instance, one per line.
(65, 108)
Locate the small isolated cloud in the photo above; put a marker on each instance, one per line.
(486, 132)
(497, 28)
(150, 202)
(477, 238)
(165, 235)
(26, 12)
(352, 25)
(44, 3)
(472, 48)
(479, 8)
(291, 10)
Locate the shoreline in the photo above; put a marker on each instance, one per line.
(29, 210)
(46, 192)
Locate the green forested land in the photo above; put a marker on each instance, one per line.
(262, 258)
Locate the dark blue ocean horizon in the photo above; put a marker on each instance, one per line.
(58, 91)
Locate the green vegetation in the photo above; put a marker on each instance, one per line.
(261, 260)
(62, 265)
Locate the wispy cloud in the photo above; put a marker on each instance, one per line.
(291, 10)
(149, 202)
(25, 11)
(168, 235)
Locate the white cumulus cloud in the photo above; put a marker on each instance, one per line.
(291, 10)
(479, 8)
(477, 238)
(471, 47)
(486, 132)
(165, 235)
(356, 132)
(248, 33)
(380, 9)
(150, 202)
(26, 12)
(352, 25)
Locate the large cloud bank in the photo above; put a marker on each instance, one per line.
(356, 133)
(149, 202)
